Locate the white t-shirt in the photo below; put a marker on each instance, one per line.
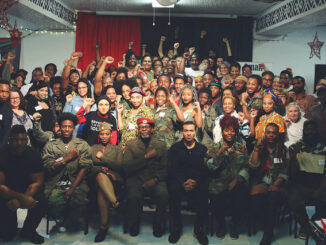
(192, 73)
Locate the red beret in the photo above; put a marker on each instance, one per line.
(145, 120)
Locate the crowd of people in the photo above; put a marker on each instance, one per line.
(174, 127)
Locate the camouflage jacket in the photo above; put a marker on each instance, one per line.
(226, 167)
(165, 123)
(129, 130)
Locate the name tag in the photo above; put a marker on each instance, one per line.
(185, 115)
(38, 108)
(131, 126)
(321, 162)
(161, 114)
(267, 179)
(31, 117)
(59, 159)
(278, 160)
(77, 108)
(0, 116)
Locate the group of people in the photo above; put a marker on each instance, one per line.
(172, 127)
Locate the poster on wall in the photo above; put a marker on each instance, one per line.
(256, 67)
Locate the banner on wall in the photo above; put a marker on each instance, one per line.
(256, 67)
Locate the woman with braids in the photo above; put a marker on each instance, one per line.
(166, 115)
(229, 176)
(105, 172)
(270, 173)
(270, 116)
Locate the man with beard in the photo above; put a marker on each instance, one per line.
(187, 177)
(299, 95)
(66, 161)
(252, 95)
(286, 79)
(240, 85)
(193, 71)
(42, 137)
(5, 113)
(308, 176)
(144, 163)
(267, 78)
(21, 182)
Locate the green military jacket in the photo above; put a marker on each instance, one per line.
(165, 123)
(129, 130)
(205, 133)
(111, 160)
(55, 150)
(227, 166)
(135, 165)
(278, 165)
(42, 136)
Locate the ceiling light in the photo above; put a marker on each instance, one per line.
(156, 4)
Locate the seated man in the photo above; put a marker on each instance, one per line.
(308, 178)
(187, 177)
(67, 160)
(144, 163)
(21, 181)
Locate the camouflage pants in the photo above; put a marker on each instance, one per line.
(72, 208)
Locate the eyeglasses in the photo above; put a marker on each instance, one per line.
(15, 98)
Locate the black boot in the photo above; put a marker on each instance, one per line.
(267, 239)
(221, 229)
(134, 229)
(234, 234)
(158, 230)
(100, 236)
(200, 235)
(175, 231)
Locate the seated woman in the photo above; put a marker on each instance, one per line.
(270, 163)
(229, 103)
(269, 100)
(106, 160)
(294, 121)
(166, 114)
(127, 121)
(229, 175)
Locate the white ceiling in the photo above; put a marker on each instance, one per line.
(229, 7)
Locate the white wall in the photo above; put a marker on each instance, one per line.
(292, 51)
(40, 49)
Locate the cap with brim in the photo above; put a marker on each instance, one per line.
(215, 83)
(104, 126)
(137, 90)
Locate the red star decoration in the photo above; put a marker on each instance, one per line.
(15, 35)
(315, 47)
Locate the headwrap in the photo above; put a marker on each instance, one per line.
(137, 90)
(104, 126)
(270, 92)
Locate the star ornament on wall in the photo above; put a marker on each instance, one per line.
(315, 47)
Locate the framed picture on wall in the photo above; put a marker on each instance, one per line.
(320, 72)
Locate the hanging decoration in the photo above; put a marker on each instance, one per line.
(4, 20)
(315, 47)
(15, 36)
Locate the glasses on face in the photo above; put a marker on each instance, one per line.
(270, 80)
(15, 98)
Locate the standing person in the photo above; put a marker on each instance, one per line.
(308, 176)
(21, 183)
(67, 160)
(205, 134)
(269, 159)
(146, 72)
(318, 113)
(144, 163)
(299, 95)
(193, 71)
(187, 177)
(216, 100)
(229, 174)
(20, 116)
(127, 121)
(58, 99)
(240, 86)
(267, 78)
(40, 103)
(106, 174)
(286, 79)
(5, 113)
(166, 115)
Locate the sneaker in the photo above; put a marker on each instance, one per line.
(234, 231)
(32, 236)
(303, 232)
(100, 236)
(201, 237)
(221, 230)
